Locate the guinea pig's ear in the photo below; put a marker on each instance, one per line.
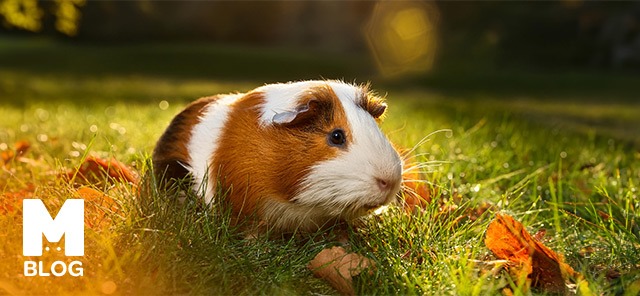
(375, 107)
(303, 113)
(377, 110)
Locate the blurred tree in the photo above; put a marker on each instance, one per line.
(29, 15)
(22, 14)
(68, 16)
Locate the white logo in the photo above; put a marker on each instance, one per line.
(37, 221)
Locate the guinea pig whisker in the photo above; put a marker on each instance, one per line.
(417, 181)
(432, 162)
(411, 157)
(410, 191)
(426, 165)
(426, 139)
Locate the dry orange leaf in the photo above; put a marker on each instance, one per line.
(95, 170)
(21, 147)
(338, 267)
(416, 193)
(509, 240)
(7, 155)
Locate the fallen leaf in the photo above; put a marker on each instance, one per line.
(544, 268)
(338, 267)
(20, 148)
(415, 191)
(7, 156)
(96, 170)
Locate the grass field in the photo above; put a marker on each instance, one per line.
(563, 160)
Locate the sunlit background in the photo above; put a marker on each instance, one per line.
(396, 37)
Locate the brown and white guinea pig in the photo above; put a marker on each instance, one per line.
(298, 156)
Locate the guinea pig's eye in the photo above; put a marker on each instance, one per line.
(337, 138)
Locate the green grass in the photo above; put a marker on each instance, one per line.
(559, 163)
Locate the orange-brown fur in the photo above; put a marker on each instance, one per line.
(171, 149)
(372, 103)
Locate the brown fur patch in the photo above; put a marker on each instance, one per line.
(171, 149)
(261, 163)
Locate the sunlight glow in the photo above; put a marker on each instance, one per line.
(402, 36)
(381, 210)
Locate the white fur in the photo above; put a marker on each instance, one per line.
(345, 184)
(204, 142)
(283, 97)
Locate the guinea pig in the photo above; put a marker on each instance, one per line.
(294, 156)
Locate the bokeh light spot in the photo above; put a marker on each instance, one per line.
(109, 287)
(164, 105)
(402, 36)
(410, 23)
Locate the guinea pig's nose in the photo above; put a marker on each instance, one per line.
(384, 184)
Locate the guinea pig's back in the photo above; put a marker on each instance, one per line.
(171, 149)
(189, 140)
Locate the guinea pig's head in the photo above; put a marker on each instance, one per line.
(335, 157)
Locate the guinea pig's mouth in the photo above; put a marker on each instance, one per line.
(372, 206)
(376, 204)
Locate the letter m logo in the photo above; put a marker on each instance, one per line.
(36, 221)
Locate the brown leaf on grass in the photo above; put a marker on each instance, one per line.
(416, 192)
(7, 156)
(20, 148)
(338, 267)
(96, 170)
(509, 240)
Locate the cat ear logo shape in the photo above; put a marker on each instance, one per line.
(68, 222)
